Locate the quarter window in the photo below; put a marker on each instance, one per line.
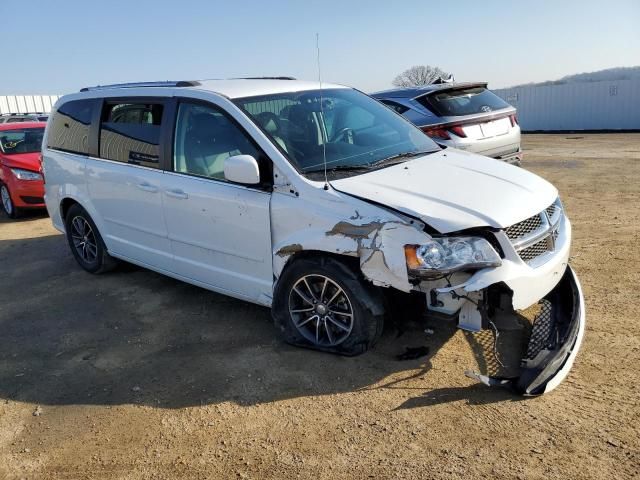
(204, 138)
(69, 128)
(130, 133)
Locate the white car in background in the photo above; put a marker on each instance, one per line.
(316, 202)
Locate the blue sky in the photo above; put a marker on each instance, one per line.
(53, 47)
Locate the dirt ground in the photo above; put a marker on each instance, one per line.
(132, 375)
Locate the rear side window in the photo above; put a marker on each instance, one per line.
(70, 124)
(130, 133)
(464, 101)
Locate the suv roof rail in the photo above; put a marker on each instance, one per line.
(180, 83)
(264, 78)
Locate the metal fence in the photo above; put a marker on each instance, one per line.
(606, 105)
(27, 103)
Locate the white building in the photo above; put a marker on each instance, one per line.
(604, 105)
(27, 103)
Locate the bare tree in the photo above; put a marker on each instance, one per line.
(419, 75)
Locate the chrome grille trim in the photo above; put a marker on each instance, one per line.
(524, 228)
(536, 235)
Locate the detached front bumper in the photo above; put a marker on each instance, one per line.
(555, 339)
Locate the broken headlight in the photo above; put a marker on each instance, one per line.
(444, 255)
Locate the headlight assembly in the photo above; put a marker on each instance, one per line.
(26, 174)
(441, 256)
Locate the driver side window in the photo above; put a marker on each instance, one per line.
(204, 138)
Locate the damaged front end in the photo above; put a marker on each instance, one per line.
(534, 351)
(554, 337)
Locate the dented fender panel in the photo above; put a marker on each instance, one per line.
(333, 222)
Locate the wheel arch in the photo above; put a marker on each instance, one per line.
(65, 205)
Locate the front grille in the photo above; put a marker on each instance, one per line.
(524, 228)
(31, 200)
(541, 337)
(529, 253)
(536, 235)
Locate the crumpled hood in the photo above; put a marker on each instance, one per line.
(453, 190)
(26, 161)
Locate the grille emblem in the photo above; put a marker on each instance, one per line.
(536, 235)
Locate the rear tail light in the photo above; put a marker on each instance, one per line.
(437, 133)
(514, 120)
(458, 131)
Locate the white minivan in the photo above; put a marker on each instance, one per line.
(319, 202)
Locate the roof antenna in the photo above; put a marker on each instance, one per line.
(323, 129)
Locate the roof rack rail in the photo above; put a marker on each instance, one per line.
(181, 83)
(264, 78)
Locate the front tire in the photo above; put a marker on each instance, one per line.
(86, 243)
(323, 304)
(8, 206)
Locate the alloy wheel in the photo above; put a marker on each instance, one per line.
(84, 240)
(321, 310)
(7, 204)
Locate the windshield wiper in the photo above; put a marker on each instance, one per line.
(334, 168)
(400, 156)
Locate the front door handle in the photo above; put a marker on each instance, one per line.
(176, 193)
(147, 187)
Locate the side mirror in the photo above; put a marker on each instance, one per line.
(242, 169)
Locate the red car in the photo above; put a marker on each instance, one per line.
(21, 181)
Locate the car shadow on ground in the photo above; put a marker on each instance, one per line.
(25, 216)
(133, 336)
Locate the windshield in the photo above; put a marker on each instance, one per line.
(354, 131)
(26, 140)
(463, 101)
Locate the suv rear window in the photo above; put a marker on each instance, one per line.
(69, 129)
(130, 133)
(463, 101)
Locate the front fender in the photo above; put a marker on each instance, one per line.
(336, 223)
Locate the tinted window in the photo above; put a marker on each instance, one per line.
(69, 128)
(16, 119)
(463, 101)
(28, 140)
(130, 133)
(204, 138)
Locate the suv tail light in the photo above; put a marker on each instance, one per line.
(457, 129)
(514, 119)
(436, 132)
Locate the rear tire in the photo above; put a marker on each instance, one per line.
(323, 304)
(86, 243)
(8, 206)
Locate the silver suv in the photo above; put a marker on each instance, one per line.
(466, 116)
